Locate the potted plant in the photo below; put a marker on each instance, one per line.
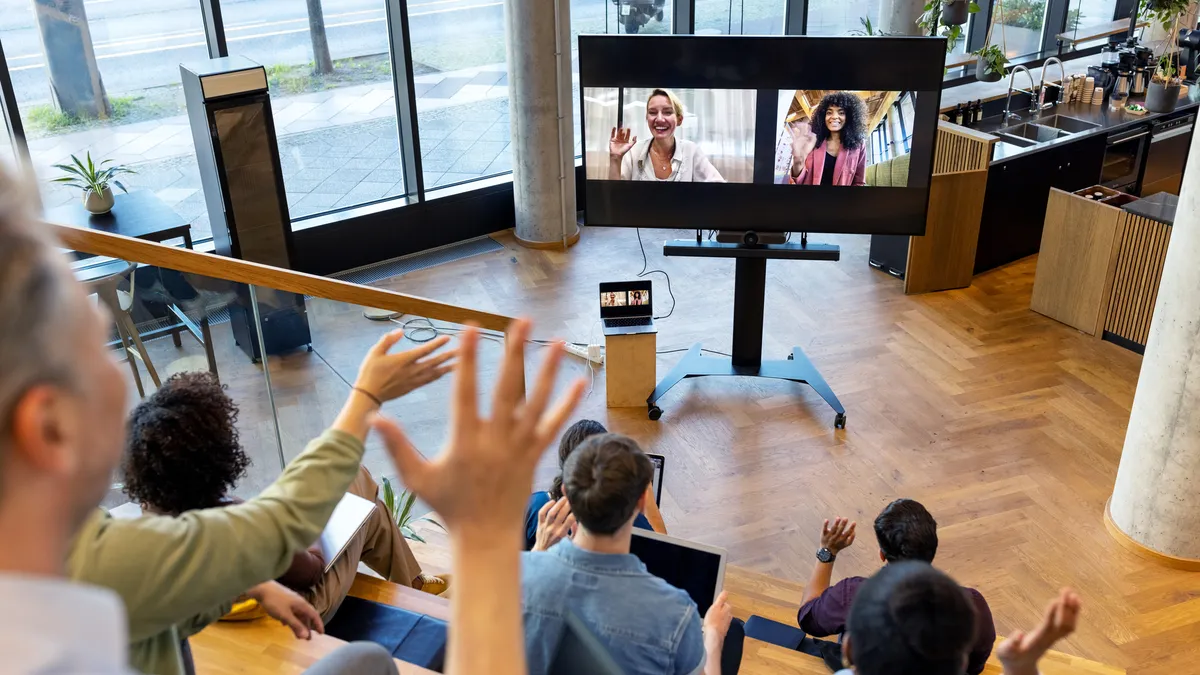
(942, 18)
(401, 506)
(94, 181)
(990, 63)
(956, 12)
(1163, 93)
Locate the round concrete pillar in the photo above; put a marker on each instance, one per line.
(1155, 504)
(540, 103)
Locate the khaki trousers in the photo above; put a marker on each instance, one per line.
(379, 544)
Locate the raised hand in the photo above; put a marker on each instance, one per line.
(388, 376)
(286, 606)
(803, 143)
(555, 521)
(620, 142)
(839, 535)
(1021, 651)
(481, 480)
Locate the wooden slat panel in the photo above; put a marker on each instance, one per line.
(945, 257)
(1143, 251)
(960, 149)
(231, 269)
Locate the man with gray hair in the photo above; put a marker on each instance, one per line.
(62, 430)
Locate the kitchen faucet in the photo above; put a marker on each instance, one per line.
(1062, 83)
(1008, 113)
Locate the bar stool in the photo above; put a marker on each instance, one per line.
(104, 281)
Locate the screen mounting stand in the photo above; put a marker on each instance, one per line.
(748, 300)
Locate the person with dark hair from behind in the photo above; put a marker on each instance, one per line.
(905, 530)
(910, 619)
(549, 512)
(831, 148)
(62, 412)
(183, 454)
(647, 625)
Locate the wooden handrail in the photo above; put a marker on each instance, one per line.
(231, 269)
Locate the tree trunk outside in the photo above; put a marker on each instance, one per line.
(899, 17)
(322, 64)
(75, 82)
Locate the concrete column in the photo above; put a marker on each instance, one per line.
(1156, 499)
(540, 103)
(899, 17)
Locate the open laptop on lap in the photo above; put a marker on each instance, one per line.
(626, 307)
(696, 568)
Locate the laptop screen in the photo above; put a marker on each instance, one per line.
(656, 482)
(686, 565)
(620, 299)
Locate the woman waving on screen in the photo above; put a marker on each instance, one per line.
(663, 157)
(831, 149)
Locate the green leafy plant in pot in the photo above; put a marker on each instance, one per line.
(990, 63)
(1163, 93)
(94, 180)
(946, 18)
(401, 507)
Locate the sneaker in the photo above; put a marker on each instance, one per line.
(434, 585)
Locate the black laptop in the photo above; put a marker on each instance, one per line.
(627, 308)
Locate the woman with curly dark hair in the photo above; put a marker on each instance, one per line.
(541, 511)
(831, 149)
(183, 454)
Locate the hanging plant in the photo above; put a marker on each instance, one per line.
(937, 19)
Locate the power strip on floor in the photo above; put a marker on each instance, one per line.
(590, 353)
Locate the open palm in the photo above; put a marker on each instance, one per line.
(803, 142)
(620, 142)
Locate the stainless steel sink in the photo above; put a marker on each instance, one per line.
(1064, 123)
(1031, 133)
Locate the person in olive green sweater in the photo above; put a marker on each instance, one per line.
(176, 575)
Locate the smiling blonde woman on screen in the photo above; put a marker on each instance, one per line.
(663, 158)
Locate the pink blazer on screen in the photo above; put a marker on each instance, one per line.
(849, 169)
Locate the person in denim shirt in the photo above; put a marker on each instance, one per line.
(648, 626)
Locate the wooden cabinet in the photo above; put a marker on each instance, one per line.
(1014, 204)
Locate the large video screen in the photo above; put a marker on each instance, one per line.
(852, 152)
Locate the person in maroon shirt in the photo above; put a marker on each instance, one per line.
(905, 530)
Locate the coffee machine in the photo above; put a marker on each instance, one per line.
(1142, 70)
(1189, 56)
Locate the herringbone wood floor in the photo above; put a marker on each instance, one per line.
(1006, 424)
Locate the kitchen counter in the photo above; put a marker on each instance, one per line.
(1110, 121)
(1157, 207)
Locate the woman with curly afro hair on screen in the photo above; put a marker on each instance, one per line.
(831, 149)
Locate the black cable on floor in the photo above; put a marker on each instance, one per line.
(646, 271)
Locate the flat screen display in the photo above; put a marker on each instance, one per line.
(786, 134)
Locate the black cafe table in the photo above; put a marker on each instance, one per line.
(138, 214)
(142, 215)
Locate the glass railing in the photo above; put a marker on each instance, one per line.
(286, 360)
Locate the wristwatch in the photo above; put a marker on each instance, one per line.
(826, 556)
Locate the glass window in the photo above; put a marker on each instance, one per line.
(739, 17)
(332, 97)
(1085, 14)
(612, 17)
(130, 110)
(841, 17)
(1018, 26)
(461, 84)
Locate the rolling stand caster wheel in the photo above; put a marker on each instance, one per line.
(791, 357)
(839, 421)
(655, 413)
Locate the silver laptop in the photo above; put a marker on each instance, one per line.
(696, 568)
(627, 308)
